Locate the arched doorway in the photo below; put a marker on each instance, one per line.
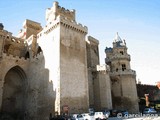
(14, 93)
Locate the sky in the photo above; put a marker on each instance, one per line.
(136, 21)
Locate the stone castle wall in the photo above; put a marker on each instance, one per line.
(73, 67)
(56, 66)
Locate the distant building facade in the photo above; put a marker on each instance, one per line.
(43, 70)
(149, 96)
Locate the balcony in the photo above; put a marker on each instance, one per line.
(121, 72)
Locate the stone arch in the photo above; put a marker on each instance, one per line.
(14, 93)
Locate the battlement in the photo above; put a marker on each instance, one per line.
(39, 56)
(73, 25)
(61, 20)
(56, 10)
(6, 56)
(7, 36)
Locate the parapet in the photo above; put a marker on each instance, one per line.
(7, 36)
(55, 10)
(61, 20)
(17, 58)
(73, 25)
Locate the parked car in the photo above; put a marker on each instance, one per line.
(124, 112)
(106, 113)
(79, 117)
(149, 111)
(113, 113)
(86, 116)
(100, 116)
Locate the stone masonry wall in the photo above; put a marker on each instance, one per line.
(73, 68)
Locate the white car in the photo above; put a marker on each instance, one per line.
(79, 117)
(86, 116)
(100, 116)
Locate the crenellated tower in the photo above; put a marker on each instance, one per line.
(123, 78)
(66, 47)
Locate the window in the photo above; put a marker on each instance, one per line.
(121, 52)
(123, 67)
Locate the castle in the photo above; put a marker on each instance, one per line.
(44, 69)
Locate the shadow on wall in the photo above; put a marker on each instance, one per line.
(28, 93)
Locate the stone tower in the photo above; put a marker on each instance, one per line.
(98, 78)
(123, 78)
(64, 48)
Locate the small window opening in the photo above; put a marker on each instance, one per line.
(123, 67)
(121, 52)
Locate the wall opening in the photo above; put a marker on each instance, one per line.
(14, 93)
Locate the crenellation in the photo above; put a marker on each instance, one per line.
(9, 57)
(56, 10)
(74, 25)
(70, 14)
(67, 23)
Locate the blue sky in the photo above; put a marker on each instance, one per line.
(136, 21)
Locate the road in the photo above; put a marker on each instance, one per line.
(140, 118)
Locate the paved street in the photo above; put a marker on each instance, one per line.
(141, 118)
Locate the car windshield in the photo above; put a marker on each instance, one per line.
(79, 116)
